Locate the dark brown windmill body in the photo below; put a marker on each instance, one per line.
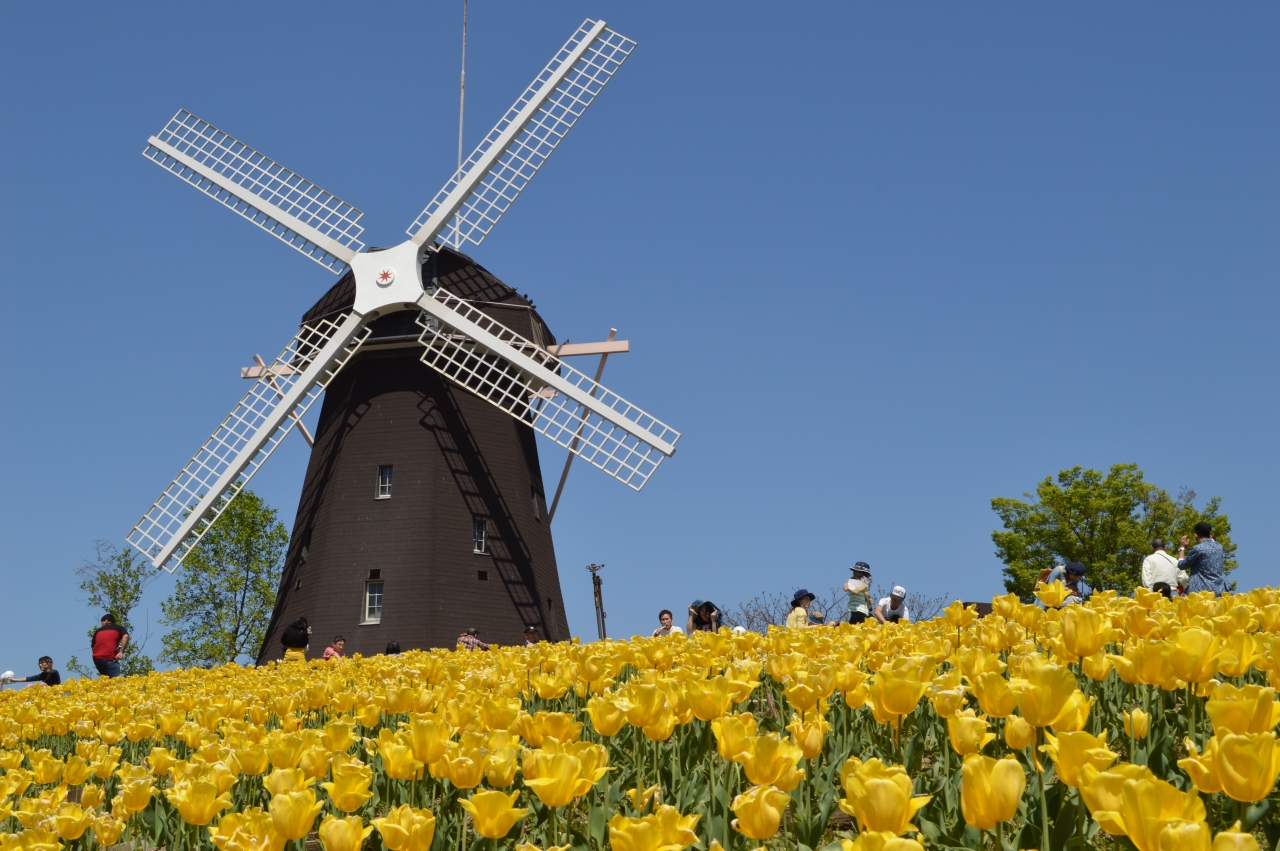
(458, 536)
(422, 513)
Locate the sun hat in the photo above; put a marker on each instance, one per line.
(800, 595)
(898, 591)
(1074, 568)
(697, 604)
(861, 567)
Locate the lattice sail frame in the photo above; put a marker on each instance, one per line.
(290, 207)
(531, 147)
(595, 434)
(156, 530)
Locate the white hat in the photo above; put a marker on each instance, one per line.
(898, 591)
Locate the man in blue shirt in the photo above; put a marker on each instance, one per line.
(1206, 562)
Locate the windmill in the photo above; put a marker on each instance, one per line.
(435, 376)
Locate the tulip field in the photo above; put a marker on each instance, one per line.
(1122, 723)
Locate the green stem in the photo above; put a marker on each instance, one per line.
(1044, 804)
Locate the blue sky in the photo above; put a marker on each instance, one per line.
(878, 263)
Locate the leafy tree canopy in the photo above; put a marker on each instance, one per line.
(1106, 521)
(226, 587)
(113, 581)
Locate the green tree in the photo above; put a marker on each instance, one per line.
(1104, 521)
(226, 587)
(113, 581)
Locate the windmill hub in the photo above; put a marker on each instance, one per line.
(389, 277)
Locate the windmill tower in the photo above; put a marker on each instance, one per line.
(422, 512)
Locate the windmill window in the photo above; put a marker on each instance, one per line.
(384, 483)
(479, 536)
(372, 603)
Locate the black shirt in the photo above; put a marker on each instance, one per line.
(49, 678)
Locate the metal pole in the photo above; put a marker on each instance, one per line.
(582, 422)
(597, 585)
(462, 98)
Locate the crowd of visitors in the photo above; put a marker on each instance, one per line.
(1200, 568)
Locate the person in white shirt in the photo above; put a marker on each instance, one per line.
(1160, 570)
(894, 607)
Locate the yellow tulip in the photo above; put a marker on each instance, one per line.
(1044, 693)
(343, 834)
(91, 797)
(879, 796)
(644, 704)
(338, 735)
(294, 813)
(1240, 650)
(1247, 764)
(135, 794)
(1185, 836)
(771, 761)
(45, 767)
(284, 780)
(398, 761)
(990, 790)
(607, 717)
(197, 801)
(70, 821)
(895, 695)
(107, 830)
(1085, 631)
(880, 842)
(711, 698)
(1072, 751)
(500, 767)
(499, 713)
(1252, 709)
(1052, 595)
(253, 759)
(968, 733)
(1235, 839)
(161, 761)
(493, 814)
(407, 829)
(1202, 766)
(994, 695)
(1146, 807)
(734, 734)
(426, 737)
(286, 751)
(1018, 734)
(662, 728)
(1101, 790)
(808, 735)
(1136, 723)
(554, 778)
(250, 830)
(1097, 666)
(38, 839)
(349, 790)
(641, 798)
(1147, 662)
(1193, 655)
(759, 812)
(1074, 715)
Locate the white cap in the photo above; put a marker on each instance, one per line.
(898, 591)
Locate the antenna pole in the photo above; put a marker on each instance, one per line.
(462, 90)
(597, 583)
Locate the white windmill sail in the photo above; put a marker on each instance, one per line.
(536, 387)
(246, 438)
(291, 208)
(473, 200)
(476, 351)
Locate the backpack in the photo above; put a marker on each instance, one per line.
(1044, 575)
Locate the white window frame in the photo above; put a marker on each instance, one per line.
(366, 617)
(383, 490)
(480, 535)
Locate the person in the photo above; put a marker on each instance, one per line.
(1071, 575)
(703, 617)
(893, 608)
(335, 650)
(296, 639)
(664, 619)
(800, 616)
(1160, 570)
(47, 674)
(859, 588)
(393, 648)
(1206, 563)
(470, 640)
(109, 641)
(530, 635)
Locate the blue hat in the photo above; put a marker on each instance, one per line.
(697, 604)
(1074, 568)
(800, 595)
